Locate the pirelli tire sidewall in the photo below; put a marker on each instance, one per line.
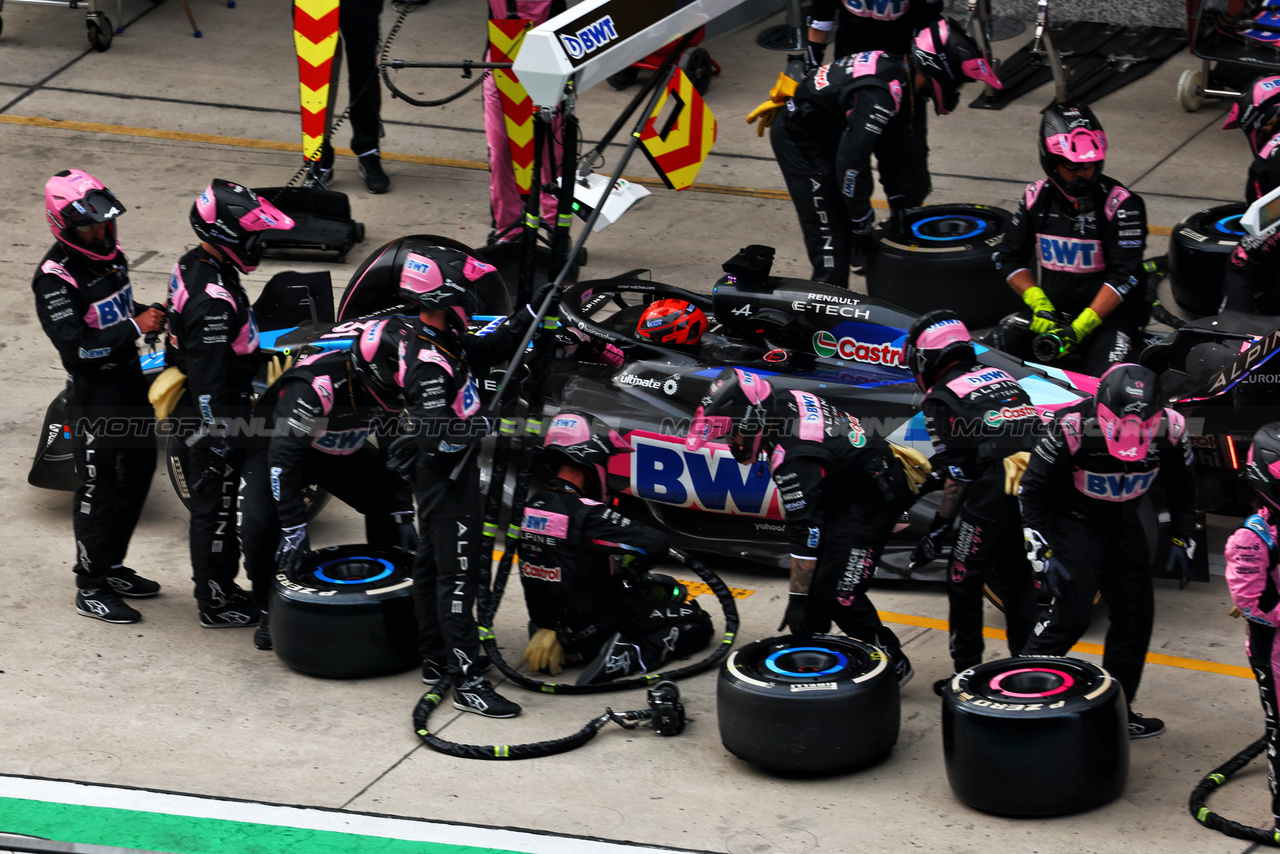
(1199, 249)
(346, 613)
(945, 262)
(1035, 736)
(806, 707)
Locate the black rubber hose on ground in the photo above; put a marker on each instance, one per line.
(1212, 781)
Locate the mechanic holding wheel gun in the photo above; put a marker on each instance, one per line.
(584, 569)
(1252, 280)
(841, 114)
(842, 491)
(85, 304)
(1085, 514)
(321, 412)
(435, 453)
(1086, 233)
(982, 425)
(213, 340)
(1253, 576)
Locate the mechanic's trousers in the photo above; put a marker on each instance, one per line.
(1262, 649)
(988, 547)
(854, 536)
(447, 570)
(359, 480)
(1115, 560)
(113, 442)
(661, 630)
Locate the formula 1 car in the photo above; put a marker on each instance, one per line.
(842, 345)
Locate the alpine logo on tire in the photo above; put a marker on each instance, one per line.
(817, 705)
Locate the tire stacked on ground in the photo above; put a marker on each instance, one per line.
(1035, 736)
(945, 262)
(346, 613)
(1199, 249)
(819, 705)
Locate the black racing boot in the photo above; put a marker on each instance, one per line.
(103, 603)
(478, 696)
(125, 582)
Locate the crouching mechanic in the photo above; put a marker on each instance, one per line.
(1252, 280)
(1086, 233)
(320, 414)
(843, 113)
(1085, 518)
(584, 602)
(1253, 576)
(435, 452)
(85, 304)
(982, 425)
(842, 491)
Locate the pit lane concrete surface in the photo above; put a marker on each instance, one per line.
(168, 707)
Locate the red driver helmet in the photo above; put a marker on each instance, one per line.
(673, 322)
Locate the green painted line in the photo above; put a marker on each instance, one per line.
(186, 835)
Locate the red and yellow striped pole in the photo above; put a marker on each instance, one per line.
(505, 35)
(315, 38)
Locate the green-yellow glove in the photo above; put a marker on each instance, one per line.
(1084, 324)
(544, 652)
(1042, 311)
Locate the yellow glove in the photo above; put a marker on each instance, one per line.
(165, 391)
(914, 464)
(544, 652)
(778, 95)
(1015, 465)
(1085, 323)
(276, 366)
(1042, 310)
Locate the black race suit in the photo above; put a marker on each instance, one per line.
(842, 492)
(863, 25)
(441, 401)
(86, 309)
(320, 422)
(841, 115)
(1077, 255)
(569, 585)
(1252, 280)
(976, 416)
(1094, 513)
(213, 339)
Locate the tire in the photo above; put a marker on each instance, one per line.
(945, 262)
(623, 78)
(1035, 736)
(346, 613)
(1191, 90)
(175, 463)
(1199, 249)
(696, 64)
(99, 31)
(826, 704)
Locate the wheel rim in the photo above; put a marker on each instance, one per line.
(1032, 682)
(806, 662)
(951, 228)
(354, 570)
(1228, 226)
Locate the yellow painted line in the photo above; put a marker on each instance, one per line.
(450, 162)
(1092, 648)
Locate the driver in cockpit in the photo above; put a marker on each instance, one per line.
(674, 324)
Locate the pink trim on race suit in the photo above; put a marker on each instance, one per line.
(966, 384)
(1128, 437)
(459, 404)
(1032, 193)
(370, 338)
(1177, 424)
(178, 293)
(895, 89)
(1274, 469)
(1249, 563)
(543, 522)
(755, 387)
(1079, 146)
(705, 429)
(420, 274)
(864, 64)
(429, 355)
(247, 338)
(307, 360)
(323, 387)
(568, 430)
(56, 269)
(1114, 201)
(1071, 431)
(812, 422)
(474, 269)
(775, 459)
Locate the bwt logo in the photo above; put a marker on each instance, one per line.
(414, 265)
(1118, 487)
(535, 524)
(710, 479)
(590, 38)
(1069, 254)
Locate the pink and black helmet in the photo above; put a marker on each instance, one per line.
(1257, 112)
(74, 198)
(436, 277)
(377, 357)
(1129, 410)
(232, 218)
(1262, 465)
(949, 57)
(936, 339)
(577, 437)
(734, 405)
(1071, 134)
